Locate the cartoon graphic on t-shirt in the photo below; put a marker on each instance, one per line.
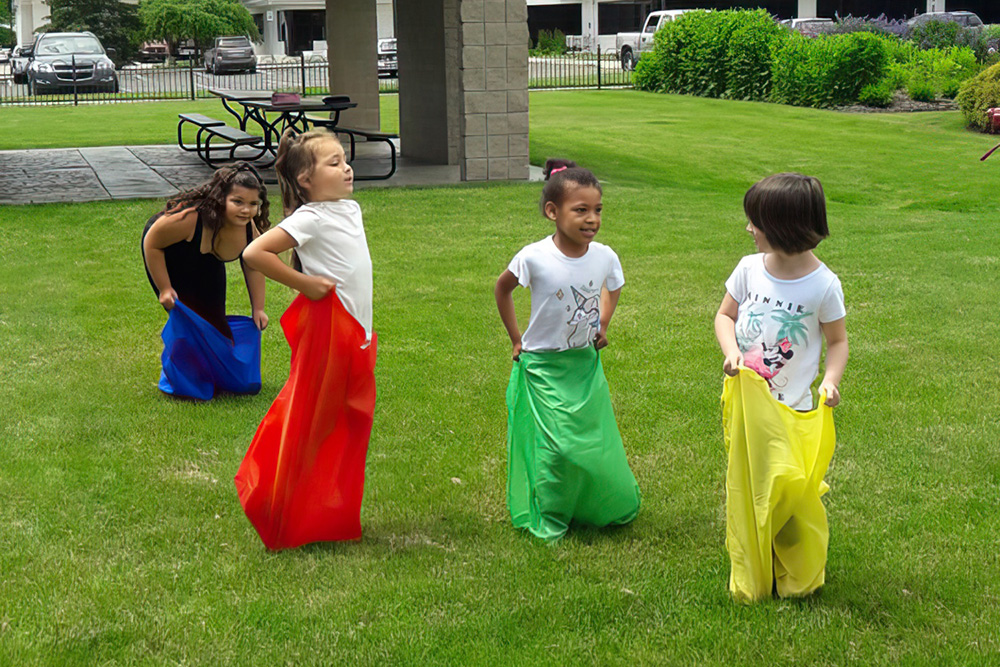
(767, 358)
(586, 318)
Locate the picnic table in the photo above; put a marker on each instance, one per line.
(258, 104)
(274, 117)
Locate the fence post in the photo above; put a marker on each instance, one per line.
(302, 65)
(72, 62)
(191, 75)
(598, 65)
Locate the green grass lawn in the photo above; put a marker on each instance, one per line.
(129, 123)
(123, 541)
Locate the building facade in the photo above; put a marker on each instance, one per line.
(593, 22)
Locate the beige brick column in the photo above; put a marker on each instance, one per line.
(493, 110)
(351, 37)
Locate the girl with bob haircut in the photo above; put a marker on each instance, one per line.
(779, 306)
(185, 248)
(302, 479)
(566, 460)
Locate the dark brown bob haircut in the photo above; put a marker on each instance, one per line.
(790, 209)
(558, 176)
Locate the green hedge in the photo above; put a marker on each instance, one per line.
(828, 71)
(713, 54)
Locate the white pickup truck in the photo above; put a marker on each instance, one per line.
(630, 45)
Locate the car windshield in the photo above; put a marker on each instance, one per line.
(234, 41)
(84, 45)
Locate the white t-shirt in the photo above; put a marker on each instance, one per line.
(778, 328)
(332, 243)
(565, 293)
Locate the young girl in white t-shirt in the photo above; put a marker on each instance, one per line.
(782, 302)
(566, 461)
(303, 476)
(779, 306)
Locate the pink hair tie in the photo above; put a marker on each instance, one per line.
(557, 170)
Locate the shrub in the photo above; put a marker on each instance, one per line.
(978, 94)
(828, 71)
(938, 70)
(713, 54)
(877, 94)
(550, 43)
(935, 34)
(920, 90)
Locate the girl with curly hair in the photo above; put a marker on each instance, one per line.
(186, 246)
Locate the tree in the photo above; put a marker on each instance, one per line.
(6, 24)
(176, 21)
(115, 23)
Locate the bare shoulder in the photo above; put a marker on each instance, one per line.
(173, 227)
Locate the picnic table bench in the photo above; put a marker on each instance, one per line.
(210, 128)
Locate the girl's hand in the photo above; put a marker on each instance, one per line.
(168, 298)
(260, 319)
(832, 393)
(317, 287)
(601, 339)
(516, 351)
(731, 366)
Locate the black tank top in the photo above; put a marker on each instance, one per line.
(198, 278)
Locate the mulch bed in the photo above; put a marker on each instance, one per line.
(901, 103)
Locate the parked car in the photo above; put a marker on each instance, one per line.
(630, 45)
(964, 19)
(233, 54)
(19, 59)
(61, 61)
(153, 52)
(387, 63)
(810, 27)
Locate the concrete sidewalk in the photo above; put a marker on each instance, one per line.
(137, 172)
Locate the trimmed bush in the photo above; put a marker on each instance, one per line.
(978, 94)
(713, 54)
(828, 71)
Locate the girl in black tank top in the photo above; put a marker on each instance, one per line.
(185, 246)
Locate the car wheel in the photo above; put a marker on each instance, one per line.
(253, 70)
(628, 60)
(20, 78)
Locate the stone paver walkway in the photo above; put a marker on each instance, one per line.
(137, 172)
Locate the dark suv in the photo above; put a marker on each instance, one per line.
(234, 54)
(61, 61)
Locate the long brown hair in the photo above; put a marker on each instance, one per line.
(296, 156)
(209, 198)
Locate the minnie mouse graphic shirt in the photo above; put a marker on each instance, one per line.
(565, 293)
(778, 328)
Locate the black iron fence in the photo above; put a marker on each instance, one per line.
(140, 83)
(578, 70)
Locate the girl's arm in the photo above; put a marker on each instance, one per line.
(262, 255)
(836, 359)
(725, 332)
(169, 228)
(255, 288)
(609, 301)
(505, 304)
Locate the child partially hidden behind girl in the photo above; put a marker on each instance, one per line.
(566, 461)
(779, 306)
(302, 479)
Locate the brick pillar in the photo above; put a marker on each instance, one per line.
(351, 38)
(493, 109)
